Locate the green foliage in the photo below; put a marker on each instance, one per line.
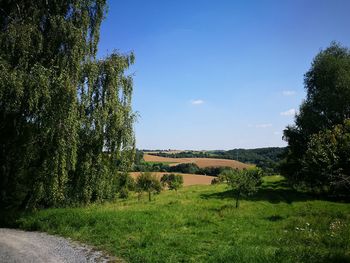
(125, 184)
(65, 117)
(265, 158)
(187, 168)
(172, 181)
(148, 182)
(151, 167)
(126, 181)
(242, 182)
(190, 168)
(106, 144)
(327, 104)
(215, 181)
(124, 193)
(327, 159)
(275, 225)
(138, 157)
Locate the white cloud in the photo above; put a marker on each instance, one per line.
(290, 112)
(288, 92)
(263, 125)
(197, 102)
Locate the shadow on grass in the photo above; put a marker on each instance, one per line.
(276, 192)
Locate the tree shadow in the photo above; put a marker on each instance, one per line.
(278, 192)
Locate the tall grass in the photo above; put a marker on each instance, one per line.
(201, 224)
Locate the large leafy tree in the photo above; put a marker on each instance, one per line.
(47, 55)
(106, 141)
(327, 104)
(327, 159)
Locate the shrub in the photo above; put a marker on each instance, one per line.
(125, 184)
(172, 181)
(243, 182)
(186, 168)
(148, 182)
(124, 193)
(215, 180)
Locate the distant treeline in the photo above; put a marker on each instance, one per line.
(265, 158)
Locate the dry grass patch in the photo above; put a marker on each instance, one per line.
(201, 162)
(189, 179)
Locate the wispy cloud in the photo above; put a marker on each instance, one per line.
(290, 112)
(197, 102)
(262, 125)
(288, 92)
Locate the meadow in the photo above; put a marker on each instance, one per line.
(201, 224)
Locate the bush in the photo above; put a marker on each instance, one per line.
(186, 168)
(243, 182)
(125, 184)
(148, 182)
(327, 159)
(215, 180)
(124, 193)
(172, 181)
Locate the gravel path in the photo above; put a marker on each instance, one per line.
(20, 246)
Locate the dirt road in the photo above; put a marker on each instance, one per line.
(20, 246)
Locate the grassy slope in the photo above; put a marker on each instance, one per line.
(200, 224)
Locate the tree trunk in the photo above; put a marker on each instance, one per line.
(139, 196)
(149, 196)
(237, 200)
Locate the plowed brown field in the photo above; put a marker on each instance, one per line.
(201, 162)
(189, 179)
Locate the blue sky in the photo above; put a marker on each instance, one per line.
(220, 74)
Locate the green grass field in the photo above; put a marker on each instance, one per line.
(200, 224)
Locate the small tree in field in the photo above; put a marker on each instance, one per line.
(172, 181)
(148, 182)
(243, 182)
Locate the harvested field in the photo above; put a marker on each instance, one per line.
(189, 179)
(201, 162)
(167, 152)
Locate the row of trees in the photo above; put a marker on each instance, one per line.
(190, 168)
(148, 182)
(266, 158)
(318, 152)
(242, 182)
(65, 116)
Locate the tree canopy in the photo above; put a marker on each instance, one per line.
(65, 117)
(172, 181)
(327, 105)
(149, 183)
(242, 182)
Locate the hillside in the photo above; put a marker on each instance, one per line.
(201, 162)
(266, 158)
(200, 224)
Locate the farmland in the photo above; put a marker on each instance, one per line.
(201, 162)
(189, 179)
